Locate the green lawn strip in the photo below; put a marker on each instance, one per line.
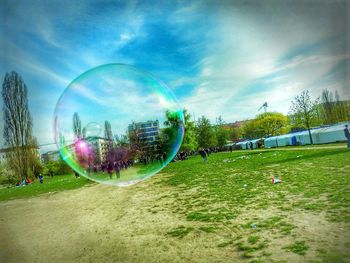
(180, 231)
(217, 193)
(298, 247)
(229, 184)
(246, 181)
(330, 257)
(54, 184)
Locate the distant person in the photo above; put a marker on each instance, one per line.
(76, 174)
(347, 134)
(207, 151)
(117, 170)
(28, 181)
(203, 154)
(251, 145)
(41, 178)
(110, 169)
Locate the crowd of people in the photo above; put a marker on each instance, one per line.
(110, 167)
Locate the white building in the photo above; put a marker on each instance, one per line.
(5, 152)
(147, 132)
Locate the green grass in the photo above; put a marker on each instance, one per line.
(298, 247)
(180, 231)
(233, 192)
(54, 184)
(242, 182)
(208, 229)
(253, 239)
(230, 185)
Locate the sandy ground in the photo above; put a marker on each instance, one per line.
(102, 223)
(98, 224)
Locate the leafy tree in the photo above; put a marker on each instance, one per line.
(18, 126)
(304, 111)
(77, 126)
(58, 167)
(234, 133)
(51, 166)
(250, 130)
(205, 133)
(271, 124)
(189, 142)
(7, 174)
(123, 140)
(265, 124)
(222, 134)
(137, 145)
(170, 133)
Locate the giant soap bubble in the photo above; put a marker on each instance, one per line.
(118, 125)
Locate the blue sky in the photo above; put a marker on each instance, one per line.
(219, 59)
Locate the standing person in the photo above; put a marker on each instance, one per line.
(117, 170)
(110, 169)
(41, 178)
(347, 134)
(207, 151)
(203, 154)
(76, 174)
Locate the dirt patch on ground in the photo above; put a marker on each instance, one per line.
(101, 223)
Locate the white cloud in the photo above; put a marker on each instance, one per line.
(246, 49)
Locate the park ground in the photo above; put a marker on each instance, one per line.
(226, 210)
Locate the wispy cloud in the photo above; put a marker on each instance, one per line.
(223, 59)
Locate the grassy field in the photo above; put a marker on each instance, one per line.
(233, 192)
(50, 185)
(226, 209)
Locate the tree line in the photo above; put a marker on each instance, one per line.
(304, 114)
(23, 158)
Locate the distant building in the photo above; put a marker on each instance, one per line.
(147, 133)
(95, 148)
(5, 152)
(50, 156)
(239, 123)
(100, 147)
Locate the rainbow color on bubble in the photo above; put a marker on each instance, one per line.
(141, 121)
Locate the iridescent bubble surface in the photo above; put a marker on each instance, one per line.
(92, 129)
(118, 125)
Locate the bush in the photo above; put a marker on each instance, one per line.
(7, 176)
(56, 168)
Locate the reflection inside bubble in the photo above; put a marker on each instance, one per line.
(134, 125)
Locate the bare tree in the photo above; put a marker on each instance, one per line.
(304, 111)
(77, 126)
(328, 106)
(108, 131)
(342, 108)
(18, 137)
